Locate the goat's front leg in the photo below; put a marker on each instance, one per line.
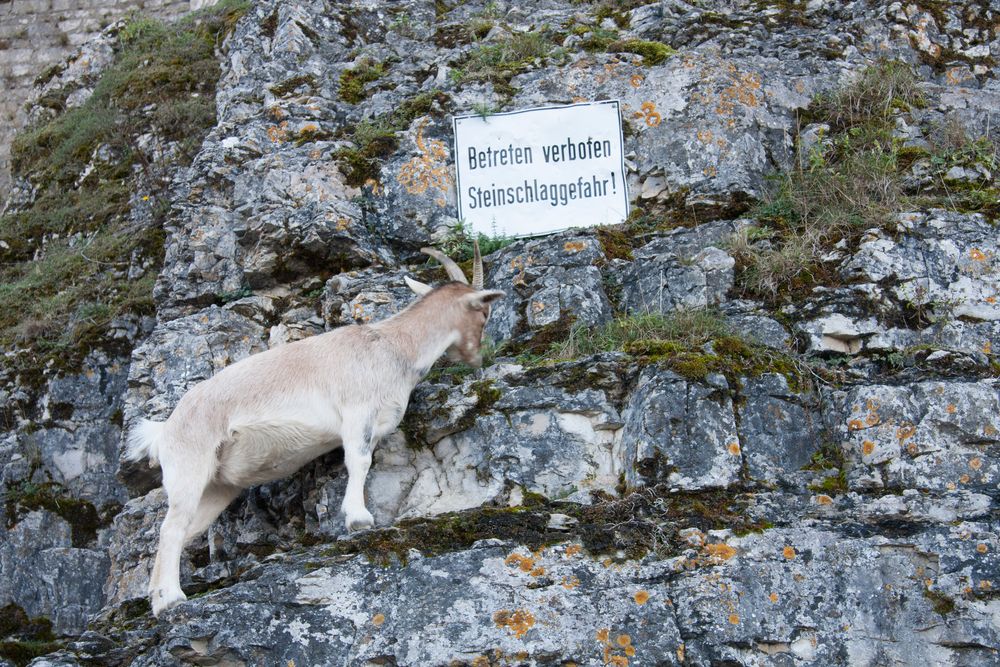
(358, 459)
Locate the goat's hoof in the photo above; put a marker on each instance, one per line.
(164, 600)
(360, 522)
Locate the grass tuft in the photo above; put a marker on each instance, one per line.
(850, 181)
(692, 343)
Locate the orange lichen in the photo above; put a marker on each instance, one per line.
(905, 432)
(373, 186)
(705, 136)
(641, 597)
(525, 563)
(975, 463)
(710, 171)
(854, 425)
(537, 571)
(519, 622)
(649, 113)
(569, 583)
(951, 409)
(773, 597)
(680, 653)
(278, 133)
(977, 255)
(982, 548)
(574, 246)
(867, 447)
(956, 75)
(964, 479)
(720, 551)
(573, 549)
(602, 634)
(428, 170)
(378, 619)
(734, 619)
(623, 640)
(636, 80)
(788, 552)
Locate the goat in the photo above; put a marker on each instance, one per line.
(266, 416)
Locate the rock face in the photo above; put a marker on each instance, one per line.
(818, 485)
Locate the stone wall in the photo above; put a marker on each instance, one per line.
(35, 34)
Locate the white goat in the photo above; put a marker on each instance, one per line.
(266, 416)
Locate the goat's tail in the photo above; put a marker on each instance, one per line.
(144, 441)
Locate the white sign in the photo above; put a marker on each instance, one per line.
(536, 171)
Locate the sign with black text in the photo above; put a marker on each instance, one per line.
(536, 171)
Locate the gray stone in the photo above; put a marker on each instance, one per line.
(680, 433)
(46, 576)
(779, 429)
(927, 436)
(680, 270)
(546, 280)
(944, 263)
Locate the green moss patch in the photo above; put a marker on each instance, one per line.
(375, 139)
(23, 639)
(616, 243)
(692, 343)
(941, 603)
(642, 522)
(291, 85)
(84, 519)
(354, 80)
(653, 53)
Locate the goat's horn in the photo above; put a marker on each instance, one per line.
(477, 266)
(449, 265)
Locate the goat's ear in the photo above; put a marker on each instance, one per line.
(482, 299)
(418, 287)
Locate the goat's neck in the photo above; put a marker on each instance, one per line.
(420, 342)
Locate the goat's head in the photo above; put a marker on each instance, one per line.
(472, 301)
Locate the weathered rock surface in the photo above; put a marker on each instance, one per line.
(606, 510)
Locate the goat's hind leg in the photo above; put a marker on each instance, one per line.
(358, 446)
(185, 486)
(214, 500)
